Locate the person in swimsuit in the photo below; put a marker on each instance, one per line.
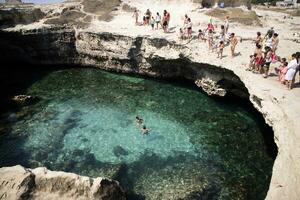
(157, 19)
(152, 22)
(258, 59)
(185, 22)
(220, 49)
(136, 16)
(148, 16)
(181, 34)
(145, 130)
(268, 60)
(201, 35)
(189, 28)
(139, 121)
(251, 65)
(282, 70)
(269, 41)
(275, 42)
(226, 24)
(259, 39)
(233, 43)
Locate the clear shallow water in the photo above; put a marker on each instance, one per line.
(85, 123)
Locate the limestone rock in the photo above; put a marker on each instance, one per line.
(15, 182)
(13, 16)
(21, 183)
(210, 87)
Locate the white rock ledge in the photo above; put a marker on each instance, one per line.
(20, 183)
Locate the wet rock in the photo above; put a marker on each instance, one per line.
(24, 99)
(120, 151)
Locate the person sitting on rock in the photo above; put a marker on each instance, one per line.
(251, 65)
(181, 34)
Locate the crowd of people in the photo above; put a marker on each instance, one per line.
(155, 21)
(264, 55)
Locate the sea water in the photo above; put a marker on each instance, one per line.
(197, 147)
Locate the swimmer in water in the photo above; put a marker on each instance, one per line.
(145, 130)
(139, 121)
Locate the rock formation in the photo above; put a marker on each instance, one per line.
(12, 16)
(21, 183)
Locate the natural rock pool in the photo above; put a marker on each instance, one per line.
(198, 147)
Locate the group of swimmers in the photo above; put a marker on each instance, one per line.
(140, 123)
(154, 21)
(265, 54)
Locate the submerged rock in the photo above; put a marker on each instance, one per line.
(120, 151)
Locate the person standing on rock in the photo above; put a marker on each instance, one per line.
(275, 42)
(136, 16)
(226, 24)
(233, 43)
(259, 39)
(291, 70)
(157, 19)
(165, 23)
(189, 28)
(148, 16)
(167, 19)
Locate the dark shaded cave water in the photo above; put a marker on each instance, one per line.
(198, 147)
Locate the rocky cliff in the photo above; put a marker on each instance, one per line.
(141, 55)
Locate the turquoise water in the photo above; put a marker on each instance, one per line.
(197, 147)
